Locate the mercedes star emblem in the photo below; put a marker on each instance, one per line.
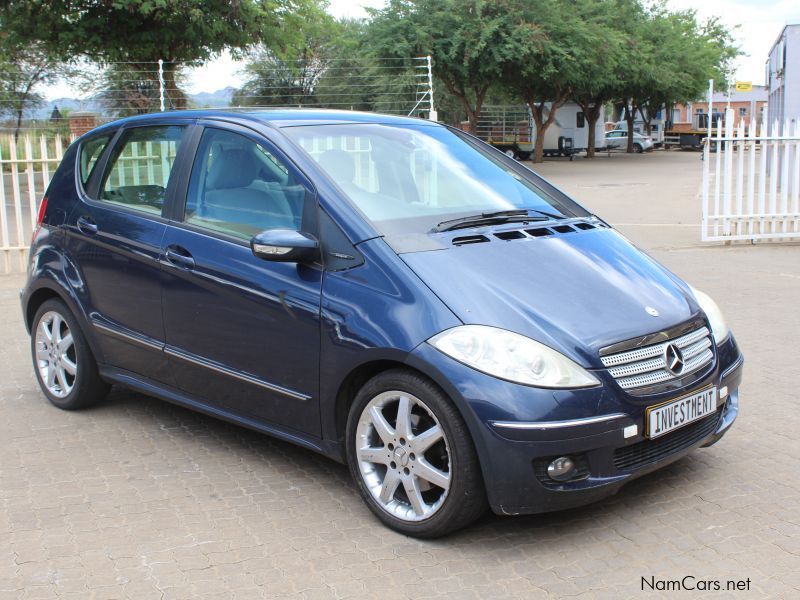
(673, 358)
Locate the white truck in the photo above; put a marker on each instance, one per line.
(511, 128)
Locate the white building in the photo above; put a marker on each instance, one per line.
(783, 78)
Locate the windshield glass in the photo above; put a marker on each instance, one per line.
(409, 179)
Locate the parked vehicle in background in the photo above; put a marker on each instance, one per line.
(691, 138)
(389, 292)
(511, 128)
(639, 126)
(618, 140)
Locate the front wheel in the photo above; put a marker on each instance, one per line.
(412, 457)
(638, 148)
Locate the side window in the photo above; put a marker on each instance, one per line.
(139, 170)
(90, 153)
(580, 120)
(240, 188)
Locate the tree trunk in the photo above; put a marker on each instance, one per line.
(473, 113)
(174, 98)
(20, 111)
(591, 112)
(630, 116)
(592, 116)
(537, 110)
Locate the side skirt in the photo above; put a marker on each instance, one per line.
(150, 388)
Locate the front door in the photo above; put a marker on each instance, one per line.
(242, 333)
(115, 234)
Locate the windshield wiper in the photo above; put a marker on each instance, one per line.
(491, 218)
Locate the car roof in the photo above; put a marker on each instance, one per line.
(277, 117)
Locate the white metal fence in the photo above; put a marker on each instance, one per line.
(26, 166)
(751, 185)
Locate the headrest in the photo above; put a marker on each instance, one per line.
(234, 168)
(339, 164)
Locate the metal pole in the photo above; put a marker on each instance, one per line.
(432, 116)
(161, 83)
(710, 106)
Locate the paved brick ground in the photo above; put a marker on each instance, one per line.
(139, 499)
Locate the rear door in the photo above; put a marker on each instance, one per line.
(242, 333)
(115, 235)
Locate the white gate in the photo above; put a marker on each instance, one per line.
(751, 185)
(26, 166)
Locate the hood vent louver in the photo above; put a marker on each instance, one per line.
(509, 235)
(469, 239)
(540, 232)
(526, 234)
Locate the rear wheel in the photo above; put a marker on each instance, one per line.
(64, 365)
(412, 457)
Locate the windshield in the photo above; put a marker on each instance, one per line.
(409, 179)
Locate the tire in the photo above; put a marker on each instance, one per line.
(638, 148)
(384, 457)
(67, 370)
(511, 154)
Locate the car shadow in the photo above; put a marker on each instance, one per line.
(645, 494)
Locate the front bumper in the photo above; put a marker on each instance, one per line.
(518, 430)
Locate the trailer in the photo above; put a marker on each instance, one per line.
(692, 137)
(511, 128)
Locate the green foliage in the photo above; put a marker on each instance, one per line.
(471, 41)
(180, 32)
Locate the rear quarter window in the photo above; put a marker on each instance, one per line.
(90, 152)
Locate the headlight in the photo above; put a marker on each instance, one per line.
(511, 356)
(718, 325)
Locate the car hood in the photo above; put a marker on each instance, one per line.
(576, 292)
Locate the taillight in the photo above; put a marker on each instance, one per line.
(42, 210)
(39, 218)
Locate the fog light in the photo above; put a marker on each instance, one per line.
(561, 468)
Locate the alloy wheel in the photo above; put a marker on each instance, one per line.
(56, 358)
(403, 456)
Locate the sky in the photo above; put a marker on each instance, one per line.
(759, 24)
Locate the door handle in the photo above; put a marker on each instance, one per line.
(87, 225)
(179, 257)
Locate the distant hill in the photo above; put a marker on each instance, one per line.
(219, 99)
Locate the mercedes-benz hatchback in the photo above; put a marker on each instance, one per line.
(390, 292)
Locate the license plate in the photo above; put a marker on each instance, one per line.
(677, 413)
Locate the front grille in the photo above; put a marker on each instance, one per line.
(645, 452)
(647, 366)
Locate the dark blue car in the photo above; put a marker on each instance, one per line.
(390, 292)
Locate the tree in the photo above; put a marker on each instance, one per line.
(125, 90)
(548, 69)
(471, 42)
(141, 32)
(289, 75)
(23, 69)
(670, 58)
(686, 54)
(596, 82)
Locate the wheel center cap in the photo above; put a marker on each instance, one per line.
(401, 457)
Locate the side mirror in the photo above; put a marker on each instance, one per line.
(285, 245)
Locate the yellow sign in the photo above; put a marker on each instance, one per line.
(744, 86)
